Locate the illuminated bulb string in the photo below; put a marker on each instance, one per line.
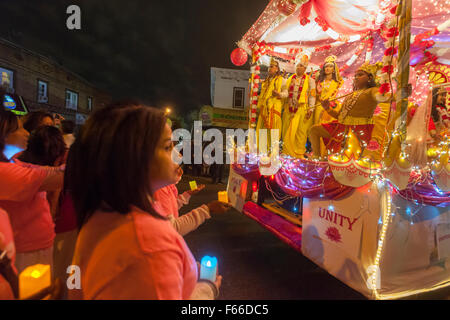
(386, 219)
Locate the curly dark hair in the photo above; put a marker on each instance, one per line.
(45, 146)
(34, 119)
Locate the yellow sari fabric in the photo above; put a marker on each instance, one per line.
(295, 125)
(329, 89)
(270, 107)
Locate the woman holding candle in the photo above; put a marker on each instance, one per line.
(127, 248)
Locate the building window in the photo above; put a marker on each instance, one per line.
(71, 100)
(42, 91)
(7, 79)
(89, 104)
(238, 97)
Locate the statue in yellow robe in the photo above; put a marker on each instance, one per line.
(270, 103)
(327, 86)
(300, 97)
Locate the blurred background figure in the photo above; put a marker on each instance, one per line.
(67, 129)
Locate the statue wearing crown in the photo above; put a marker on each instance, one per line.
(270, 101)
(300, 98)
(355, 117)
(328, 83)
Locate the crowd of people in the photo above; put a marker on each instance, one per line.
(105, 201)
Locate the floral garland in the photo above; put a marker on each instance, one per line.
(292, 101)
(390, 35)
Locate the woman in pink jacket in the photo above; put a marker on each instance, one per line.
(127, 248)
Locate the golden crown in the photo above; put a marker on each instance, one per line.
(371, 68)
(330, 59)
(302, 59)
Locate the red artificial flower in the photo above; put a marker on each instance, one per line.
(392, 32)
(390, 51)
(322, 23)
(387, 69)
(394, 9)
(304, 21)
(384, 88)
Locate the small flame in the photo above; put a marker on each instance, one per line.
(35, 274)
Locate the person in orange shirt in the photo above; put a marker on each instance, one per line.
(127, 248)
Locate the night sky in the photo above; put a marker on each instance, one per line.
(157, 51)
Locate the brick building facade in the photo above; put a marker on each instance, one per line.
(42, 83)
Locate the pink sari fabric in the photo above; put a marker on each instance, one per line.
(309, 179)
(423, 190)
(347, 16)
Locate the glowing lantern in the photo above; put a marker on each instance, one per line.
(239, 57)
(193, 185)
(286, 7)
(223, 196)
(208, 268)
(34, 279)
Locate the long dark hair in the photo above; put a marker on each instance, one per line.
(45, 146)
(322, 74)
(108, 166)
(8, 124)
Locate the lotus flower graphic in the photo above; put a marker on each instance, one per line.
(333, 234)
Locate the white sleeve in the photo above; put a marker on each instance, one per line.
(191, 220)
(204, 290)
(183, 199)
(284, 89)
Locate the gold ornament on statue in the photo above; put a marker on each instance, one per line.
(302, 59)
(274, 62)
(371, 68)
(332, 60)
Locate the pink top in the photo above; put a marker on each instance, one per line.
(28, 209)
(132, 256)
(167, 199)
(6, 292)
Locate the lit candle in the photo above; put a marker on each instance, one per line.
(223, 196)
(208, 268)
(34, 279)
(193, 185)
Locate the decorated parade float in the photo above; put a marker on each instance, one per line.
(358, 91)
